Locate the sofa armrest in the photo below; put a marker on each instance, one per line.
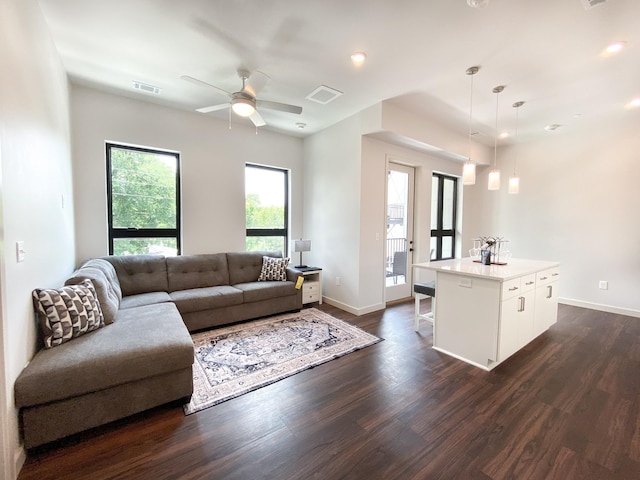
(293, 274)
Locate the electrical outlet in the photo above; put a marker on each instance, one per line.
(603, 285)
(337, 281)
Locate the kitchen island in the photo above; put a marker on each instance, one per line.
(486, 313)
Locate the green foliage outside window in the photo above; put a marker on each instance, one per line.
(143, 196)
(144, 189)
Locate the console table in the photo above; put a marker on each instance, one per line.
(486, 313)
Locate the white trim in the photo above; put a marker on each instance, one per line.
(354, 310)
(603, 308)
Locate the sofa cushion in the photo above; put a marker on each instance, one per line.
(143, 342)
(68, 312)
(107, 268)
(258, 291)
(197, 299)
(273, 269)
(107, 295)
(140, 273)
(142, 299)
(246, 266)
(197, 271)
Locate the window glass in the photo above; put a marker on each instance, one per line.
(143, 200)
(267, 212)
(443, 216)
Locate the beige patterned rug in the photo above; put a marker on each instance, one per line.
(232, 361)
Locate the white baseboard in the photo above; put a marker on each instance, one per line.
(19, 457)
(353, 310)
(603, 308)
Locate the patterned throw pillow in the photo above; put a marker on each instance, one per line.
(67, 312)
(273, 269)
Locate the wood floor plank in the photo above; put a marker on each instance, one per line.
(567, 406)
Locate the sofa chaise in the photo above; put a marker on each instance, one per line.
(143, 355)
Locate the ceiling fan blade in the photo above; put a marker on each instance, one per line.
(282, 107)
(257, 119)
(213, 108)
(256, 82)
(202, 83)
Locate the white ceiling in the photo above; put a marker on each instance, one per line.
(548, 53)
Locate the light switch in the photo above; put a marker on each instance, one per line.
(465, 282)
(20, 253)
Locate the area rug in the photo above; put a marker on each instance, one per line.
(232, 361)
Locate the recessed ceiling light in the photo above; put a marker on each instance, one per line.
(477, 3)
(614, 48)
(301, 125)
(358, 58)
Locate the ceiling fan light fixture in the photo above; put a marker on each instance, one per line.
(244, 107)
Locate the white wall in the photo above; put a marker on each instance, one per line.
(332, 209)
(36, 192)
(578, 204)
(212, 157)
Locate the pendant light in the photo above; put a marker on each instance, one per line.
(494, 174)
(514, 180)
(469, 168)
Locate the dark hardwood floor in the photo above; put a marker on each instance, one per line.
(566, 407)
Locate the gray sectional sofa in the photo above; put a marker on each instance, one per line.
(143, 355)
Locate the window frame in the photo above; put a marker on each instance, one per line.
(131, 232)
(272, 232)
(439, 232)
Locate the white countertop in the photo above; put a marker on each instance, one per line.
(466, 266)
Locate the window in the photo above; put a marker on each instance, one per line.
(143, 200)
(267, 208)
(444, 195)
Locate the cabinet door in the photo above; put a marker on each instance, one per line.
(509, 332)
(546, 311)
(516, 323)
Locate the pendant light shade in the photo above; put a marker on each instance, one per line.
(514, 180)
(514, 184)
(469, 168)
(494, 180)
(469, 173)
(494, 174)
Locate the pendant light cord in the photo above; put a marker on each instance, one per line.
(495, 140)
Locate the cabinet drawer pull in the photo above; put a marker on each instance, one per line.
(549, 291)
(530, 283)
(555, 274)
(543, 278)
(513, 289)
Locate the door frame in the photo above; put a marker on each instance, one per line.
(404, 290)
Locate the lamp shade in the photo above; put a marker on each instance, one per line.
(302, 245)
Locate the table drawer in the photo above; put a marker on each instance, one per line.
(311, 297)
(309, 288)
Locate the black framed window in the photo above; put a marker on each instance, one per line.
(444, 200)
(267, 208)
(143, 201)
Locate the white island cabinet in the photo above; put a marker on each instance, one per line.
(486, 313)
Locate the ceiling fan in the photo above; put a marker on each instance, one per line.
(244, 102)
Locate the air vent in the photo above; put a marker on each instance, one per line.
(324, 94)
(589, 4)
(145, 87)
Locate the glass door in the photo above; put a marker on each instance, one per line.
(399, 232)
